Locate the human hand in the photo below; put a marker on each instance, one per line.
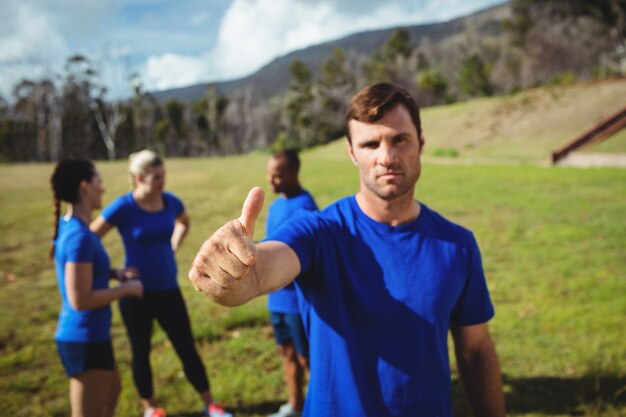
(224, 266)
(128, 273)
(133, 288)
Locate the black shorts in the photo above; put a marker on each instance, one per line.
(79, 357)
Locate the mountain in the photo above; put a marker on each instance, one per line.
(274, 77)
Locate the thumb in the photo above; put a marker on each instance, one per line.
(251, 209)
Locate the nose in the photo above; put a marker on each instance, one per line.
(388, 154)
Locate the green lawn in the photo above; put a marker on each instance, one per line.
(553, 243)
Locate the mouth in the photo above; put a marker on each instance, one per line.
(390, 174)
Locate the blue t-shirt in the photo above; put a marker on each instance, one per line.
(76, 243)
(147, 238)
(280, 212)
(378, 306)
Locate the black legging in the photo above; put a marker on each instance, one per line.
(168, 307)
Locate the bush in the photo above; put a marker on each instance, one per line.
(446, 152)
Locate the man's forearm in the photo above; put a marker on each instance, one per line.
(480, 373)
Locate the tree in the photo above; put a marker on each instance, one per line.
(146, 115)
(336, 85)
(559, 36)
(526, 14)
(474, 77)
(298, 105)
(397, 61)
(215, 106)
(83, 88)
(398, 46)
(433, 87)
(109, 117)
(38, 102)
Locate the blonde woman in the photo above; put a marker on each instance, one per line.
(153, 224)
(83, 335)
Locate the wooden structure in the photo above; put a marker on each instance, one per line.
(602, 130)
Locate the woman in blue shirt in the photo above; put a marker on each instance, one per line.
(152, 224)
(83, 271)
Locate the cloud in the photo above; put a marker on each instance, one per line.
(172, 70)
(255, 31)
(32, 49)
(192, 41)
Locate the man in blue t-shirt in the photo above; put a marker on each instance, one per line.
(389, 277)
(282, 174)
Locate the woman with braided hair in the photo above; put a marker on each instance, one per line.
(83, 271)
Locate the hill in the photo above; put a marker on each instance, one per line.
(274, 77)
(521, 128)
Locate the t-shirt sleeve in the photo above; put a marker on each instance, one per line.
(80, 247)
(474, 305)
(113, 212)
(310, 204)
(307, 205)
(299, 234)
(177, 204)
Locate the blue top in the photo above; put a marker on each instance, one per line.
(76, 243)
(281, 211)
(147, 238)
(378, 306)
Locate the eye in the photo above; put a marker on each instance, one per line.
(399, 139)
(370, 145)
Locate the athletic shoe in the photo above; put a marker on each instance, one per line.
(286, 410)
(154, 412)
(215, 410)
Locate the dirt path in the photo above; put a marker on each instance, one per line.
(586, 160)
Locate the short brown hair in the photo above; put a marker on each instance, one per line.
(371, 103)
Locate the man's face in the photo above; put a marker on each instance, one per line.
(387, 154)
(278, 176)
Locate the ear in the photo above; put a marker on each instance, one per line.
(83, 187)
(422, 140)
(351, 153)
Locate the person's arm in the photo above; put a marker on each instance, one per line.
(231, 270)
(124, 274)
(181, 228)
(81, 295)
(100, 226)
(479, 369)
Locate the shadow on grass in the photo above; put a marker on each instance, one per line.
(198, 414)
(263, 408)
(542, 395)
(555, 395)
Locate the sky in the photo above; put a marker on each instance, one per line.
(175, 43)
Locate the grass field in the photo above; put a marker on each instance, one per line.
(553, 243)
(553, 247)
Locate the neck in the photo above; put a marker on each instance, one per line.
(145, 195)
(81, 211)
(292, 191)
(394, 212)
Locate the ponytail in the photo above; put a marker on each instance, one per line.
(56, 210)
(65, 182)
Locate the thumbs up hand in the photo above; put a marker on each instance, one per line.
(250, 211)
(224, 266)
